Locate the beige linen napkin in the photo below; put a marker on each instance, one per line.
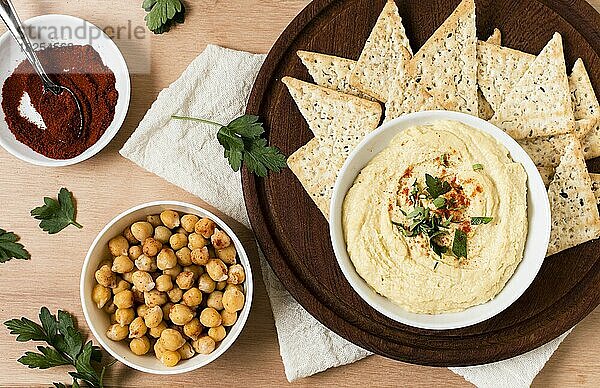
(216, 86)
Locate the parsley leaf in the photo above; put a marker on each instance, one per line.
(439, 202)
(163, 14)
(242, 142)
(477, 167)
(56, 215)
(10, 248)
(481, 220)
(66, 347)
(436, 186)
(459, 245)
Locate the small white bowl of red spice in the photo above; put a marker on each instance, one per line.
(78, 55)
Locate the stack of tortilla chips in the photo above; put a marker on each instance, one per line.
(555, 117)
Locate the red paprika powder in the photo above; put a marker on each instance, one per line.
(79, 68)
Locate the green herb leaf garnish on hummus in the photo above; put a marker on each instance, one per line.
(459, 245)
(481, 220)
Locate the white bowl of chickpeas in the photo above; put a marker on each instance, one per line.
(166, 287)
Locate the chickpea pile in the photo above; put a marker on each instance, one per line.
(172, 286)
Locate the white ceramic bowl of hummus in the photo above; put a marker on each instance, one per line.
(535, 231)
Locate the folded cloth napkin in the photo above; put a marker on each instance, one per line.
(216, 86)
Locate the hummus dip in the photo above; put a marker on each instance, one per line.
(437, 221)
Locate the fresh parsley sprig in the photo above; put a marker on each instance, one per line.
(56, 215)
(10, 248)
(163, 14)
(243, 143)
(66, 347)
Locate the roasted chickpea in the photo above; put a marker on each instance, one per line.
(173, 272)
(137, 328)
(205, 227)
(192, 297)
(206, 284)
(155, 298)
(166, 259)
(200, 256)
(195, 269)
(140, 346)
(220, 239)
(188, 222)
(153, 317)
(124, 316)
(129, 236)
(185, 280)
(142, 230)
(118, 246)
(181, 314)
(175, 294)
(170, 219)
(143, 281)
(135, 252)
(209, 317)
(162, 234)
(122, 264)
(193, 329)
(142, 310)
(109, 307)
(154, 220)
(146, 263)
(233, 299)
(204, 345)
(106, 277)
(217, 333)
(238, 287)
(221, 285)
(117, 332)
(101, 295)
(178, 241)
(123, 299)
(184, 256)
(155, 332)
(122, 285)
(158, 350)
(236, 274)
(186, 351)
(227, 255)
(170, 358)
(171, 339)
(151, 246)
(215, 300)
(166, 308)
(164, 283)
(196, 241)
(228, 317)
(217, 270)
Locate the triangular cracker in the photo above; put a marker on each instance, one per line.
(446, 65)
(499, 70)
(409, 97)
(586, 110)
(386, 49)
(331, 72)
(596, 186)
(546, 151)
(540, 102)
(575, 218)
(485, 109)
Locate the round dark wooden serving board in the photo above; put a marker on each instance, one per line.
(295, 236)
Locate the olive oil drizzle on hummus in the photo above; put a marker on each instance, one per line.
(434, 207)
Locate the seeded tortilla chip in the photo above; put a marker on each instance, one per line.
(546, 151)
(331, 72)
(546, 173)
(540, 102)
(386, 50)
(409, 98)
(310, 165)
(586, 110)
(575, 218)
(499, 70)
(485, 109)
(325, 109)
(446, 65)
(596, 186)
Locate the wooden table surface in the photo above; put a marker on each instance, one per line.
(108, 184)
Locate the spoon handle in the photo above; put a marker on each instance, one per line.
(13, 23)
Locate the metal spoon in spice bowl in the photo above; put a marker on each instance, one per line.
(56, 96)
